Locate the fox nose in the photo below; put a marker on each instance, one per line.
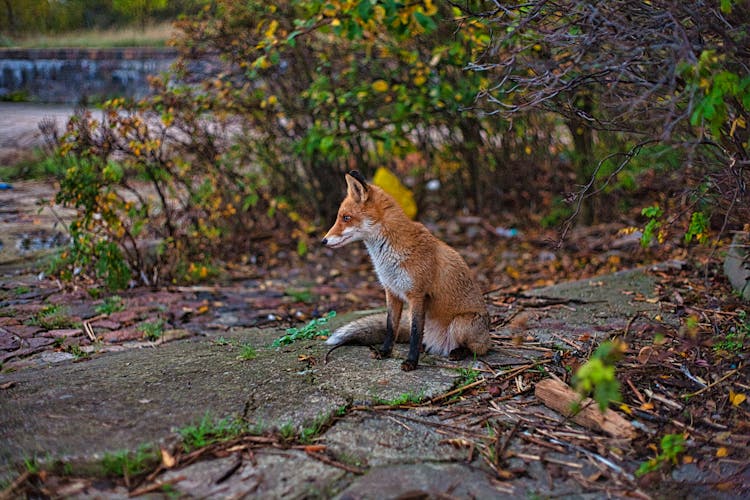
(324, 242)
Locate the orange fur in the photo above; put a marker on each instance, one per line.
(446, 309)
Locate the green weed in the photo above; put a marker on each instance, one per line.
(110, 305)
(31, 465)
(247, 353)
(734, 340)
(52, 317)
(311, 330)
(403, 399)
(287, 431)
(671, 446)
(209, 431)
(77, 352)
(596, 377)
(152, 330)
(7, 312)
(467, 376)
(308, 434)
(130, 463)
(21, 290)
(304, 295)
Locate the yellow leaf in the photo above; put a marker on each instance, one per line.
(393, 186)
(512, 272)
(202, 309)
(647, 406)
(722, 452)
(736, 398)
(167, 459)
(379, 85)
(626, 409)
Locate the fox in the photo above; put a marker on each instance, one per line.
(446, 312)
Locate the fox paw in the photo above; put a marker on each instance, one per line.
(376, 353)
(409, 365)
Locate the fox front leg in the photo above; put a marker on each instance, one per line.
(393, 319)
(417, 308)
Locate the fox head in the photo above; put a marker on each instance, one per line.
(356, 217)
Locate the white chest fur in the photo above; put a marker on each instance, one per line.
(388, 265)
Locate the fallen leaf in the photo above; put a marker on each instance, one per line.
(644, 355)
(626, 409)
(7, 385)
(736, 398)
(202, 309)
(647, 406)
(722, 452)
(167, 460)
(315, 448)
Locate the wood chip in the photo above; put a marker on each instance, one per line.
(557, 395)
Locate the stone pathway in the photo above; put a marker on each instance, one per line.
(79, 411)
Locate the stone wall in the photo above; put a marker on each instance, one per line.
(73, 76)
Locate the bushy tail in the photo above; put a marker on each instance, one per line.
(369, 330)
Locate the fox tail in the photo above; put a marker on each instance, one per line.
(369, 330)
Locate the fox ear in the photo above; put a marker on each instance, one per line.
(356, 186)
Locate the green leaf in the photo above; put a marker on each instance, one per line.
(425, 21)
(364, 9)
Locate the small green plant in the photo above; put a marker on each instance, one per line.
(698, 229)
(308, 434)
(152, 330)
(52, 317)
(31, 465)
(209, 431)
(403, 399)
(7, 312)
(467, 376)
(596, 377)
(21, 290)
(247, 352)
(651, 229)
(734, 340)
(341, 411)
(221, 341)
(130, 463)
(110, 305)
(303, 295)
(287, 431)
(77, 352)
(309, 331)
(671, 447)
(15, 96)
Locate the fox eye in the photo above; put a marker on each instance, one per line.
(346, 218)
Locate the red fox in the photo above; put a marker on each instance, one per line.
(447, 312)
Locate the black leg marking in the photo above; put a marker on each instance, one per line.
(415, 342)
(385, 351)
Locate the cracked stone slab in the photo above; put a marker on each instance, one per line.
(607, 305)
(372, 440)
(273, 474)
(117, 401)
(426, 480)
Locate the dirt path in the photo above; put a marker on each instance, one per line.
(19, 127)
